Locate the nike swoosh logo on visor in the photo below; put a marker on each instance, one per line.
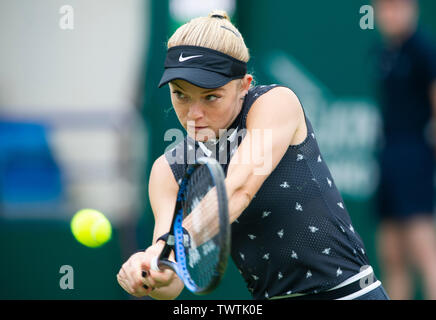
(182, 58)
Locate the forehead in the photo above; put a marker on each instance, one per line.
(189, 87)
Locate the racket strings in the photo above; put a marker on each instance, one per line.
(201, 209)
(203, 225)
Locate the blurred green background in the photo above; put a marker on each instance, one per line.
(315, 47)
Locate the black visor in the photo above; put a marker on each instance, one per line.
(203, 67)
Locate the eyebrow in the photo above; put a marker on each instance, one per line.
(207, 91)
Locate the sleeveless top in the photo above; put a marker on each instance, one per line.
(296, 235)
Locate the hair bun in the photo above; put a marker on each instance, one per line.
(220, 14)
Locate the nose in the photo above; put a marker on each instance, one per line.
(195, 112)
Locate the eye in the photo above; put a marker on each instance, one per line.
(180, 95)
(211, 98)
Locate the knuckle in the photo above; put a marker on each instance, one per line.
(138, 284)
(166, 277)
(136, 294)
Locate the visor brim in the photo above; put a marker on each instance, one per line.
(198, 77)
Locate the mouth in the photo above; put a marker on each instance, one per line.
(198, 128)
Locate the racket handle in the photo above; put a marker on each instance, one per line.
(154, 264)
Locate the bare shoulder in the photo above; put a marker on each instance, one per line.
(280, 91)
(161, 177)
(281, 100)
(161, 165)
(282, 97)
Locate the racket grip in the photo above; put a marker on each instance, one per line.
(154, 264)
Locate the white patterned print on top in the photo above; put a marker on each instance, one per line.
(313, 229)
(298, 207)
(285, 185)
(266, 214)
(326, 251)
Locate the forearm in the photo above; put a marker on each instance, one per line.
(203, 222)
(238, 202)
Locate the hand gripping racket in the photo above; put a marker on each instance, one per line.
(200, 230)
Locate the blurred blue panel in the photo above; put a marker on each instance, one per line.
(29, 174)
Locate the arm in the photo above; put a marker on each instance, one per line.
(162, 193)
(269, 135)
(273, 123)
(163, 190)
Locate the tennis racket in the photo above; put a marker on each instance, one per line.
(200, 230)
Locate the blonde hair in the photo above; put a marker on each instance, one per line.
(214, 32)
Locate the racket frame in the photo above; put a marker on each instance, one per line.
(175, 239)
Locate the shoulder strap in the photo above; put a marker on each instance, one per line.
(176, 158)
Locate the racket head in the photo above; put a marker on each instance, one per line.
(203, 208)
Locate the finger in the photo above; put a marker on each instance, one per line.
(125, 281)
(137, 290)
(141, 291)
(124, 285)
(154, 264)
(131, 277)
(145, 286)
(147, 279)
(145, 274)
(162, 278)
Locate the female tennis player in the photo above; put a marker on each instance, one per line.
(292, 237)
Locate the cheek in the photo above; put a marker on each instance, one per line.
(221, 118)
(220, 114)
(181, 114)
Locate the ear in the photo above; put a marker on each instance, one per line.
(245, 84)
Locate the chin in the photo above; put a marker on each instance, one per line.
(197, 137)
(202, 136)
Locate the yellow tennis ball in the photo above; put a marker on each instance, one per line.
(91, 228)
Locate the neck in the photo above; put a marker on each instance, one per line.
(238, 109)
